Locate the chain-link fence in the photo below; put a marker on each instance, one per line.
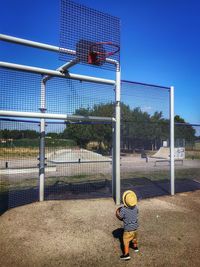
(78, 154)
(19, 150)
(187, 144)
(145, 134)
(83, 167)
(73, 169)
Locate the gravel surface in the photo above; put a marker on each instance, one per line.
(87, 233)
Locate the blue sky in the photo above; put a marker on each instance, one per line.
(160, 42)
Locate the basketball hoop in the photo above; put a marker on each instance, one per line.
(97, 55)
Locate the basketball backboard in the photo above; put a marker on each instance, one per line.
(94, 35)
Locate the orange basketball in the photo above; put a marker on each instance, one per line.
(117, 214)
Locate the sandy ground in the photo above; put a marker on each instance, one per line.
(87, 233)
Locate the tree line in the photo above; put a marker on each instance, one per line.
(139, 129)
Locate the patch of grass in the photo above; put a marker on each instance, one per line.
(152, 175)
(190, 173)
(18, 152)
(27, 147)
(192, 154)
(6, 185)
(34, 143)
(76, 178)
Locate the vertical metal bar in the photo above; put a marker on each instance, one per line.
(42, 142)
(172, 171)
(42, 159)
(117, 136)
(113, 162)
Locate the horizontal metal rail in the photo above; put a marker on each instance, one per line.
(55, 73)
(80, 161)
(36, 115)
(145, 84)
(53, 48)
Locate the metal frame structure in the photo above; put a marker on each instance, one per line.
(63, 72)
(172, 166)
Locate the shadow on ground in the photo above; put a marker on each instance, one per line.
(118, 234)
(144, 188)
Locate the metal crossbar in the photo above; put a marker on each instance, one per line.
(55, 73)
(52, 48)
(65, 117)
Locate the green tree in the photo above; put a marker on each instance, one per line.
(18, 134)
(184, 130)
(138, 128)
(84, 132)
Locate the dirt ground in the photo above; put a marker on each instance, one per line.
(87, 233)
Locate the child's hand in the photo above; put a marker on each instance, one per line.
(117, 214)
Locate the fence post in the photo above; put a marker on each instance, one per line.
(113, 162)
(172, 170)
(117, 189)
(42, 142)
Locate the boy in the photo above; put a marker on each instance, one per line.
(129, 215)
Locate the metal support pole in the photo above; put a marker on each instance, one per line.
(42, 160)
(68, 65)
(113, 162)
(63, 69)
(65, 117)
(172, 170)
(53, 48)
(116, 150)
(55, 73)
(42, 141)
(20, 41)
